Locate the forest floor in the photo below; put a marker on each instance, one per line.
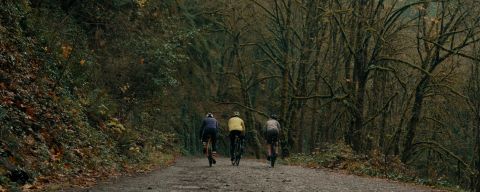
(193, 174)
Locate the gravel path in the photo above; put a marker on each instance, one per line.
(193, 174)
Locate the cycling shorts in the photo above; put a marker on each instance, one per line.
(272, 135)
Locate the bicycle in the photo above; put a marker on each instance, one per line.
(237, 151)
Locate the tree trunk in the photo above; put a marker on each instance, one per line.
(356, 132)
(477, 147)
(250, 123)
(284, 116)
(415, 118)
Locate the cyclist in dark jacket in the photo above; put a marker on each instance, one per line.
(209, 128)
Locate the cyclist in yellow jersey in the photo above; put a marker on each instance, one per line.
(236, 126)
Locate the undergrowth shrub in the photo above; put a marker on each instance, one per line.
(341, 156)
(54, 122)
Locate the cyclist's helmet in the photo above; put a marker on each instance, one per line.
(273, 116)
(210, 115)
(236, 113)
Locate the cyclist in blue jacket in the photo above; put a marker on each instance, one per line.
(210, 129)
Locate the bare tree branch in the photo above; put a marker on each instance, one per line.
(382, 110)
(243, 106)
(442, 150)
(407, 63)
(259, 80)
(455, 51)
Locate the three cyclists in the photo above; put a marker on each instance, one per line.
(236, 127)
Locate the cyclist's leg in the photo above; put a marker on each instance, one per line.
(242, 140)
(204, 142)
(232, 144)
(269, 151)
(214, 144)
(239, 135)
(212, 134)
(270, 135)
(214, 140)
(275, 141)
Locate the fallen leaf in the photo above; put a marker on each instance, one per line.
(66, 51)
(30, 111)
(30, 140)
(29, 186)
(12, 160)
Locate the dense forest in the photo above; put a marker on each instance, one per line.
(98, 86)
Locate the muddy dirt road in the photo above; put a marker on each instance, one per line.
(193, 174)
